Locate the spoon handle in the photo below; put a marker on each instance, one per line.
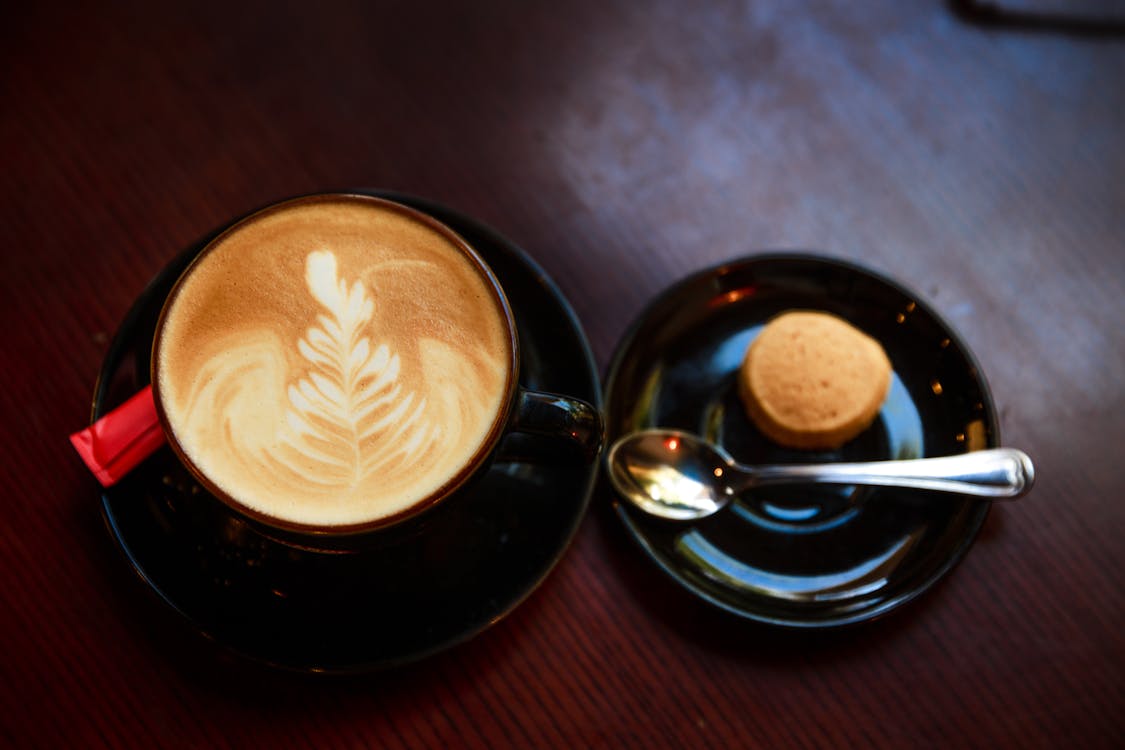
(998, 473)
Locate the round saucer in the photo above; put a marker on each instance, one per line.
(803, 557)
(415, 589)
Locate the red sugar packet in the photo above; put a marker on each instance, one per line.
(121, 439)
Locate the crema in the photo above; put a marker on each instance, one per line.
(333, 361)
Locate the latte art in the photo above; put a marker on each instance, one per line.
(333, 363)
(349, 416)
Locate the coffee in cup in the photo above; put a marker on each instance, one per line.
(336, 363)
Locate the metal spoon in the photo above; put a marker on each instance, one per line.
(680, 476)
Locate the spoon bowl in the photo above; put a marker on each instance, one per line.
(681, 477)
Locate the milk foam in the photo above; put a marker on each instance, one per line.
(332, 363)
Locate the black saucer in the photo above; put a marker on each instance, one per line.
(803, 557)
(408, 594)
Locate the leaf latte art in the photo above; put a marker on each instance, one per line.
(348, 415)
(332, 363)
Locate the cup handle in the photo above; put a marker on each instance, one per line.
(551, 414)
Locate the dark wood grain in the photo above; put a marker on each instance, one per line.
(624, 145)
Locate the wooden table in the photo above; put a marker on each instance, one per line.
(624, 145)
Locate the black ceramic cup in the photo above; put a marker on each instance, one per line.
(244, 294)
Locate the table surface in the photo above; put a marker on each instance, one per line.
(624, 146)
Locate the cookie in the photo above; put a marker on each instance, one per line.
(813, 381)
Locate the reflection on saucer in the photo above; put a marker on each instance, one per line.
(865, 578)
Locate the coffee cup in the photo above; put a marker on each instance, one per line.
(335, 364)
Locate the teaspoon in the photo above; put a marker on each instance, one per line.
(680, 476)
